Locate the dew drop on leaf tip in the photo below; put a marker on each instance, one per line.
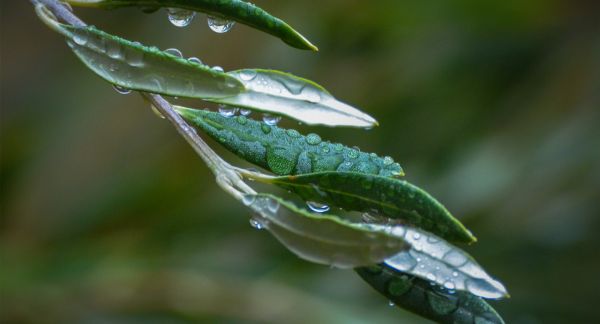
(180, 17)
(220, 25)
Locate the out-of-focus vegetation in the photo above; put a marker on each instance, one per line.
(493, 107)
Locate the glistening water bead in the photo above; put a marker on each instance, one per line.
(227, 111)
(271, 120)
(220, 25)
(174, 52)
(121, 90)
(317, 207)
(180, 17)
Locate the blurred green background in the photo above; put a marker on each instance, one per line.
(492, 106)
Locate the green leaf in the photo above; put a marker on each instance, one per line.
(324, 239)
(435, 260)
(432, 302)
(240, 11)
(285, 151)
(389, 197)
(134, 66)
(301, 99)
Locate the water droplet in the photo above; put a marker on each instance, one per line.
(180, 17)
(220, 25)
(416, 236)
(257, 223)
(455, 258)
(248, 199)
(114, 50)
(402, 261)
(431, 277)
(248, 75)
(292, 133)
(217, 68)
(271, 120)
(317, 207)
(273, 205)
(245, 112)
(310, 94)
(80, 38)
(449, 285)
(174, 52)
(313, 139)
(121, 90)
(455, 274)
(391, 303)
(227, 111)
(265, 128)
(195, 60)
(387, 160)
(352, 153)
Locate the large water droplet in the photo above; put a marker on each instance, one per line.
(248, 75)
(273, 205)
(271, 120)
(195, 60)
(310, 94)
(180, 17)
(121, 90)
(257, 222)
(217, 68)
(317, 207)
(114, 50)
(220, 25)
(402, 261)
(248, 199)
(313, 139)
(455, 258)
(227, 111)
(387, 160)
(80, 38)
(245, 112)
(174, 52)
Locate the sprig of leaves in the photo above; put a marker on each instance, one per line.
(394, 246)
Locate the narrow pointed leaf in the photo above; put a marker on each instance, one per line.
(134, 66)
(437, 261)
(389, 197)
(285, 151)
(324, 239)
(241, 11)
(418, 296)
(285, 94)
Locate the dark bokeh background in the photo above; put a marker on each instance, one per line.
(492, 106)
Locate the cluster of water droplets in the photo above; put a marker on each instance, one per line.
(183, 17)
(439, 262)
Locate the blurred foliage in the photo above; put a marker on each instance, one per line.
(493, 107)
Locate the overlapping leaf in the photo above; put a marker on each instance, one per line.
(295, 97)
(324, 239)
(432, 302)
(240, 11)
(390, 197)
(439, 262)
(134, 66)
(285, 151)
